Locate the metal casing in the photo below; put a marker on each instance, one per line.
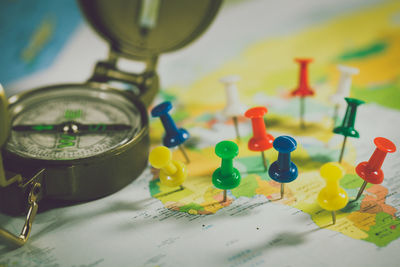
(178, 23)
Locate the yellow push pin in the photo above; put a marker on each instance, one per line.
(172, 172)
(332, 197)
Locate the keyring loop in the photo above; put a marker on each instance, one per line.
(30, 217)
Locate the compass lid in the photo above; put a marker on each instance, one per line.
(142, 29)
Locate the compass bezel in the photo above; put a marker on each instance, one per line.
(91, 177)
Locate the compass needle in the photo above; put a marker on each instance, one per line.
(72, 127)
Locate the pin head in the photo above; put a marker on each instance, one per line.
(368, 175)
(347, 131)
(256, 112)
(303, 60)
(283, 176)
(353, 101)
(226, 150)
(385, 145)
(176, 179)
(229, 79)
(285, 144)
(348, 70)
(161, 109)
(332, 171)
(175, 139)
(160, 157)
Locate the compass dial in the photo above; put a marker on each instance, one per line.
(80, 105)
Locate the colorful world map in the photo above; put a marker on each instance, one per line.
(368, 40)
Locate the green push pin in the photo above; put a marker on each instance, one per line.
(347, 128)
(226, 177)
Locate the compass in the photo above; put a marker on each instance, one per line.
(91, 141)
(79, 142)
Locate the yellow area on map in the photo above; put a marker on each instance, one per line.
(327, 41)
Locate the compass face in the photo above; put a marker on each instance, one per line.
(73, 107)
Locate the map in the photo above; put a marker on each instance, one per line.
(142, 226)
(375, 218)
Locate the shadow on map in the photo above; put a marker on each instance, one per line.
(294, 128)
(301, 161)
(284, 239)
(9, 247)
(304, 162)
(6, 245)
(113, 207)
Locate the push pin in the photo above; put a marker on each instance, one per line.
(261, 140)
(332, 197)
(343, 89)
(370, 171)
(226, 177)
(304, 89)
(233, 108)
(172, 172)
(347, 128)
(283, 170)
(173, 136)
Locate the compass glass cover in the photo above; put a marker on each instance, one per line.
(70, 123)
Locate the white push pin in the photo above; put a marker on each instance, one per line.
(343, 89)
(233, 107)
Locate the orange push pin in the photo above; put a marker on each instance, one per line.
(332, 197)
(172, 172)
(261, 140)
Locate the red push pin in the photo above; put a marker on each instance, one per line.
(261, 140)
(370, 171)
(304, 88)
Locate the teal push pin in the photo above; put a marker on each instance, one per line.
(226, 177)
(347, 128)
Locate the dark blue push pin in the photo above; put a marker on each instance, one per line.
(283, 170)
(173, 136)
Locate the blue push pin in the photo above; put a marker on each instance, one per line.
(173, 136)
(283, 170)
